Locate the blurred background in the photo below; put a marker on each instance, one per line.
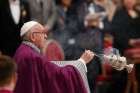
(75, 25)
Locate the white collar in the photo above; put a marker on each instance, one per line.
(33, 46)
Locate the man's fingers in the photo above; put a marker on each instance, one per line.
(89, 54)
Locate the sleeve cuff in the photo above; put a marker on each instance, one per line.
(81, 60)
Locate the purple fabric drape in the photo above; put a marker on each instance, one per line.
(37, 75)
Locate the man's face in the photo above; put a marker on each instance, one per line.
(66, 2)
(129, 4)
(39, 35)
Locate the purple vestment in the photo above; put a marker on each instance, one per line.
(5, 91)
(37, 75)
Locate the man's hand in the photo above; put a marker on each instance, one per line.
(87, 56)
(133, 13)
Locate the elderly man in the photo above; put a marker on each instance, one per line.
(37, 75)
(8, 75)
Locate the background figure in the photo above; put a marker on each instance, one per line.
(125, 27)
(8, 76)
(43, 11)
(13, 13)
(92, 16)
(111, 6)
(66, 27)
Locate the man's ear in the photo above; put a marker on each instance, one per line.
(32, 37)
(15, 77)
